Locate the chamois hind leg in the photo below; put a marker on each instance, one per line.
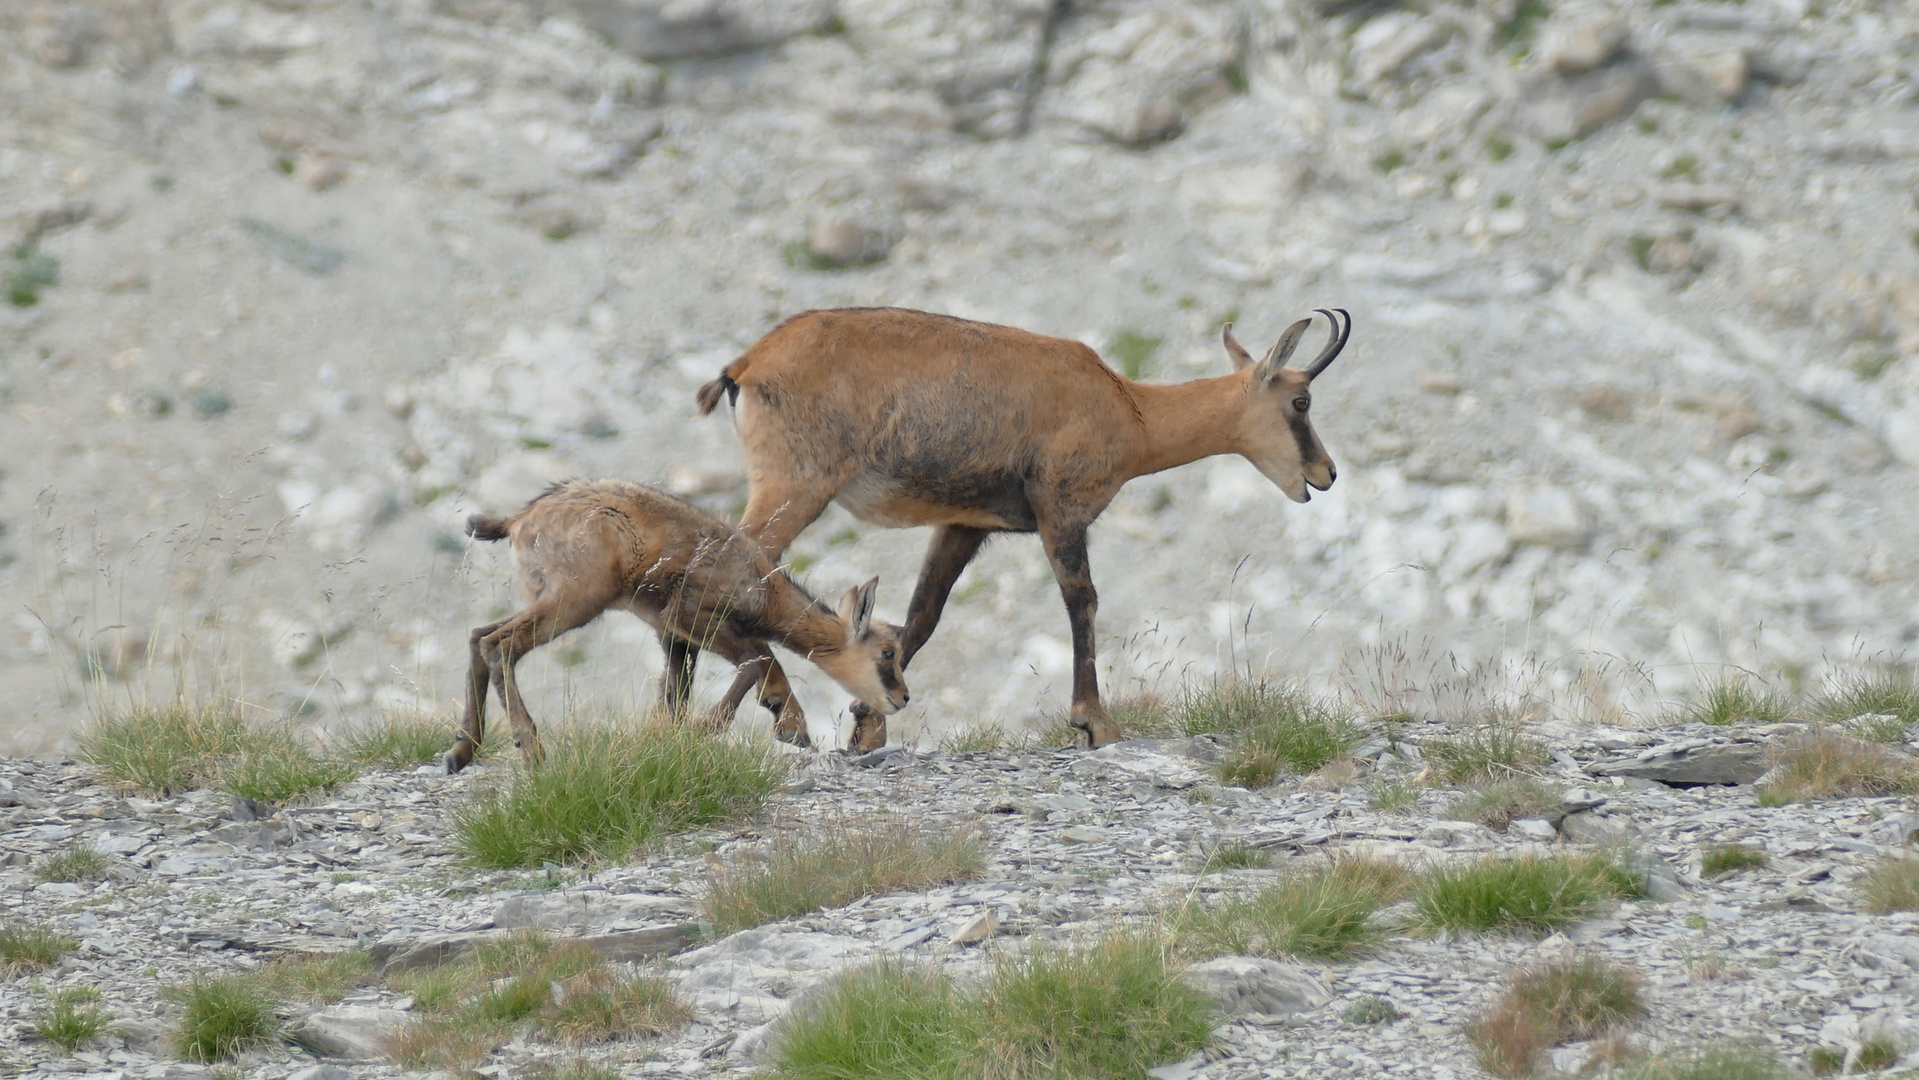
(676, 683)
(1066, 548)
(541, 622)
(473, 724)
(952, 548)
(775, 514)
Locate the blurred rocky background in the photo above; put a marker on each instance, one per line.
(295, 285)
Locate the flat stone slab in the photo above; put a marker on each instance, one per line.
(1250, 984)
(620, 946)
(348, 1031)
(1719, 763)
(581, 910)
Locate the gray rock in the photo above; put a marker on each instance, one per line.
(433, 950)
(1546, 515)
(1247, 984)
(681, 29)
(1533, 829)
(1703, 71)
(321, 1072)
(348, 1031)
(1727, 763)
(579, 910)
(1590, 828)
(1580, 40)
(849, 240)
(1556, 110)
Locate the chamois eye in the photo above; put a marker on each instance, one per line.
(1301, 403)
(886, 654)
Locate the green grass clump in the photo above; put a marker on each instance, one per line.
(1270, 729)
(1370, 1011)
(563, 988)
(1893, 885)
(880, 1022)
(1396, 797)
(1499, 805)
(164, 751)
(1526, 893)
(1720, 859)
(1723, 1063)
(976, 738)
(1883, 693)
(604, 792)
(403, 741)
(167, 750)
(1576, 996)
(1822, 764)
(1134, 351)
(1235, 857)
(223, 1016)
(71, 1017)
(30, 271)
(77, 863)
(1484, 754)
(319, 978)
(1323, 912)
(26, 948)
(802, 872)
(1111, 1008)
(1737, 699)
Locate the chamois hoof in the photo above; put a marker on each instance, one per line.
(457, 758)
(797, 737)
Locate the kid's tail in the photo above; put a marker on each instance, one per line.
(481, 527)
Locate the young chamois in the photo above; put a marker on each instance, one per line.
(909, 418)
(585, 546)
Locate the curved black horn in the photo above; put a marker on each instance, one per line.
(1336, 343)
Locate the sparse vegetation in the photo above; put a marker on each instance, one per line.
(1111, 1008)
(1235, 857)
(28, 273)
(1516, 32)
(1499, 805)
(1484, 754)
(1893, 885)
(1322, 912)
(1396, 797)
(223, 1016)
(1528, 892)
(804, 871)
(1683, 167)
(321, 978)
(1270, 729)
(1720, 859)
(278, 766)
(71, 1017)
(1370, 1011)
(77, 863)
(1822, 764)
(26, 948)
(405, 741)
(562, 988)
(1739, 699)
(1134, 351)
(164, 750)
(1498, 147)
(604, 792)
(1883, 693)
(1723, 1063)
(1576, 996)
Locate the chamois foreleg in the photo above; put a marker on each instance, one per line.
(952, 548)
(676, 682)
(473, 724)
(1066, 548)
(541, 622)
(757, 670)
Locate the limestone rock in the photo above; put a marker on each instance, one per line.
(1554, 109)
(348, 1031)
(1702, 72)
(1580, 39)
(1546, 516)
(579, 910)
(662, 30)
(1726, 763)
(1246, 984)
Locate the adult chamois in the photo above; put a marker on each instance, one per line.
(585, 546)
(910, 418)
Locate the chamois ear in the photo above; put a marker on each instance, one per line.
(1237, 352)
(1282, 351)
(856, 607)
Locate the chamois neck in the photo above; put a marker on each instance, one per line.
(1188, 421)
(801, 623)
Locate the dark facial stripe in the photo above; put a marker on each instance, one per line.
(1302, 436)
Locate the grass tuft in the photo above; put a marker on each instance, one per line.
(1821, 764)
(1484, 754)
(1499, 805)
(1881, 693)
(403, 741)
(323, 979)
(26, 948)
(1322, 912)
(604, 792)
(278, 766)
(1722, 1063)
(1270, 729)
(595, 1007)
(1134, 352)
(223, 1016)
(71, 1017)
(77, 863)
(1577, 996)
(880, 1022)
(1720, 859)
(802, 872)
(576, 1069)
(1893, 885)
(1739, 699)
(164, 751)
(1398, 797)
(1236, 857)
(1371, 1011)
(1526, 893)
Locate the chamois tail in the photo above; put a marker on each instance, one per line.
(708, 396)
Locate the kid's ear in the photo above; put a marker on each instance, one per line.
(857, 608)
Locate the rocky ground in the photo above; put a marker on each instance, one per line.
(1078, 842)
(298, 284)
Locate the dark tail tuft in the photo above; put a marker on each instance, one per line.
(709, 395)
(481, 527)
